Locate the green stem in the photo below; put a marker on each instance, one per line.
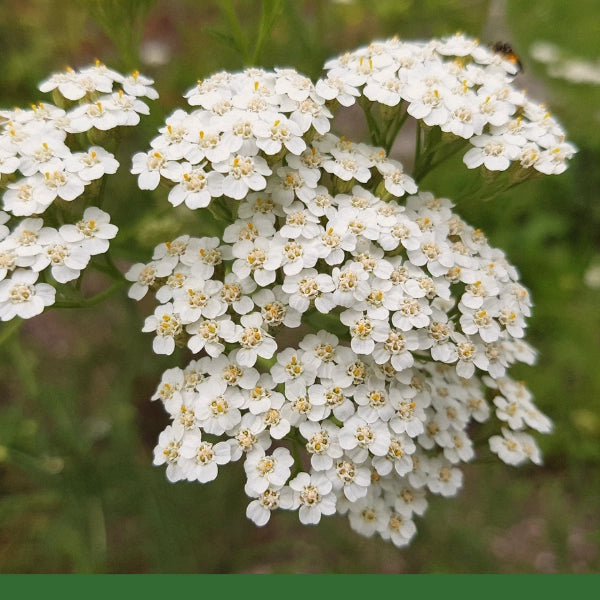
(118, 275)
(236, 29)
(87, 302)
(393, 130)
(418, 143)
(423, 168)
(269, 13)
(220, 211)
(372, 125)
(9, 329)
(295, 451)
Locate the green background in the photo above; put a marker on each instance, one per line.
(78, 493)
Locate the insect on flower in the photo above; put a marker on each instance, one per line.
(506, 50)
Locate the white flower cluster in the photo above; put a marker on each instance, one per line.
(460, 86)
(345, 341)
(40, 168)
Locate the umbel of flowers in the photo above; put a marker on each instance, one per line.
(52, 162)
(348, 328)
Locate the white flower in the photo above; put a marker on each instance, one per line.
(334, 399)
(443, 478)
(398, 457)
(254, 340)
(93, 115)
(202, 255)
(93, 231)
(151, 166)
(299, 406)
(264, 470)
(139, 85)
(9, 162)
(198, 298)
(364, 332)
(367, 515)
(320, 352)
(409, 418)
(434, 253)
(343, 89)
(170, 387)
(470, 355)
(351, 283)
(176, 280)
(493, 152)
(25, 239)
(427, 94)
(259, 510)
(312, 111)
(274, 420)
(144, 276)
(252, 260)
(93, 164)
(243, 173)
(514, 448)
(228, 369)
(66, 259)
(309, 287)
(375, 401)
(9, 260)
(299, 222)
(553, 160)
(61, 184)
(465, 120)
(359, 438)
(409, 501)
(174, 139)
(275, 309)
(75, 85)
(482, 321)
(435, 315)
(313, 496)
(291, 254)
(278, 132)
(399, 529)
(322, 443)
(247, 435)
(352, 478)
(218, 406)
(348, 165)
(397, 348)
(21, 297)
(200, 459)
(209, 334)
(395, 180)
(461, 448)
(126, 108)
(196, 187)
(260, 396)
(41, 154)
(168, 450)
(235, 293)
(167, 325)
(250, 228)
(206, 143)
(22, 198)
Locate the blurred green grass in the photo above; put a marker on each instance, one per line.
(78, 493)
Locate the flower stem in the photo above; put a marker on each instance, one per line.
(92, 301)
(9, 329)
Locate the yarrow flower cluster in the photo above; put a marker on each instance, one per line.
(462, 87)
(44, 166)
(347, 328)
